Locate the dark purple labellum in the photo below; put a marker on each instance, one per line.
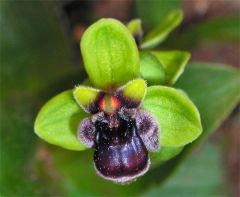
(120, 154)
(121, 142)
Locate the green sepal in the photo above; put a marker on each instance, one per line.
(110, 54)
(135, 27)
(165, 154)
(176, 114)
(58, 121)
(132, 94)
(159, 33)
(151, 69)
(86, 98)
(173, 62)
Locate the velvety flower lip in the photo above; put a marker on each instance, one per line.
(119, 131)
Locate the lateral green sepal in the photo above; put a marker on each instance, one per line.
(176, 114)
(58, 121)
(165, 154)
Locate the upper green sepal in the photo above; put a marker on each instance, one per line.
(159, 34)
(87, 98)
(110, 54)
(178, 117)
(132, 94)
(58, 121)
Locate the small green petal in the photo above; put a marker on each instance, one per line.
(178, 118)
(58, 121)
(135, 89)
(110, 54)
(151, 69)
(132, 94)
(86, 97)
(159, 34)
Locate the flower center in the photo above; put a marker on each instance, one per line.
(109, 104)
